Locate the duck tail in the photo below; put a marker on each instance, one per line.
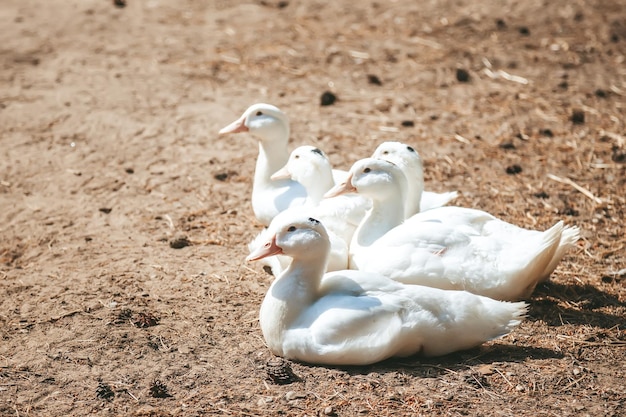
(569, 237)
(538, 260)
(509, 315)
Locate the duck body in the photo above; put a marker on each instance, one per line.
(450, 248)
(411, 164)
(358, 318)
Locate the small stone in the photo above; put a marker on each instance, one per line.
(576, 371)
(547, 132)
(328, 99)
(180, 242)
(601, 93)
(524, 31)
(578, 117)
(408, 123)
(119, 3)
(519, 388)
(329, 411)
(513, 169)
(373, 79)
(462, 75)
(485, 370)
(292, 395)
(105, 210)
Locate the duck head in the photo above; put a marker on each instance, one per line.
(374, 178)
(264, 121)
(295, 235)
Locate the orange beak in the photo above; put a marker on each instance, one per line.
(237, 126)
(270, 248)
(281, 174)
(345, 187)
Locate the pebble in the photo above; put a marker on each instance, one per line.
(292, 395)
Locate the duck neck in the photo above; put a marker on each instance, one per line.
(272, 157)
(381, 218)
(317, 187)
(415, 189)
(289, 295)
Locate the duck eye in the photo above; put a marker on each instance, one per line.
(410, 149)
(366, 170)
(259, 113)
(297, 156)
(386, 153)
(292, 229)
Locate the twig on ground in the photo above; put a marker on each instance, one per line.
(579, 188)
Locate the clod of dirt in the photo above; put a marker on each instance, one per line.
(601, 93)
(123, 316)
(144, 320)
(513, 169)
(542, 195)
(507, 145)
(119, 3)
(546, 132)
(408, 123)
(104, 391)
(180, 242)
(279, 372)
(619, 155)
(524, 31)
(569, 211)
(328, 99)
(159, 390)
(462, 75)
(105, 210)
(129, 170)
(373, 79)
(500, 24)
(282, 4)
(223, 176)
(578, 117)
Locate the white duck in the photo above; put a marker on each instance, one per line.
(448, 247)
(271, 126)
(358, 318)
(411, 164)
(311, 167)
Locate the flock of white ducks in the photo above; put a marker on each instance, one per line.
(369, 266)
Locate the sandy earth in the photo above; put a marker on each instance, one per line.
(109, 155)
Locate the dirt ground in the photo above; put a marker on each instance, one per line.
(109, 158)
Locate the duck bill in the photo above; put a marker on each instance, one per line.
(345, 187)
(281, 174)
(269, 249)
(237, 126)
